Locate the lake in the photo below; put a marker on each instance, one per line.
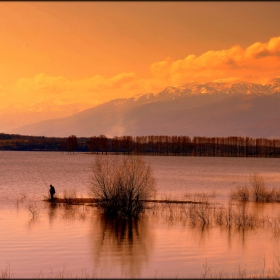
(76, 241)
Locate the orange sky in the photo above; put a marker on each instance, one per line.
(92, 52)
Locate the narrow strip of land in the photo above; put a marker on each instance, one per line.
(94, 200)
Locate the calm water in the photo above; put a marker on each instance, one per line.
(77, 242)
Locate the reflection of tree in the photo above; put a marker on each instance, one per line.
(32, 222)
(52, 213)
(201, 234)
(125, 243)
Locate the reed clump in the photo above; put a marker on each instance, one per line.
(206, 214)
(241, 193)
(245, 219)
(6, 272)
(200, 213)
(69, 196)
(257, 191)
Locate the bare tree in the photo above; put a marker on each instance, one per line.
(258, 188)
(72, 144)
(116, 144)
(33, 208)
(122, 184)
(92, 144)
(103, 143)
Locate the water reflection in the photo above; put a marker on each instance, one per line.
(201, 234)
(126, 244)
(33, 222)
(52, 213)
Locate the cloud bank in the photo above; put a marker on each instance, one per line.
(258, 62)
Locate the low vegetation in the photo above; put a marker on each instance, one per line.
(69, 196)
(31, 205)
(124, 186)
(6, 272)
(207, 272)
(242, 273)
(241, 193)
(257, 191)
(207, 214)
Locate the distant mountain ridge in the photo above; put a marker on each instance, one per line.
(16, 115)
(193, 109)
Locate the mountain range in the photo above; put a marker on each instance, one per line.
(216, 109)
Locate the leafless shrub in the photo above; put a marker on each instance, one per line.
(271, 195)
(243, 218)
(33, 208)
(258, 191)
(200, 212)
(258, 188)
(122, 184)
(220, 215)
(241, 194)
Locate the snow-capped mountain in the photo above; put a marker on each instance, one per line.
(193, 109)
(227, 88)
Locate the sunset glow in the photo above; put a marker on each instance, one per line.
(87, 53)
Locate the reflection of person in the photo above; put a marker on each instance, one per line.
(52, 191)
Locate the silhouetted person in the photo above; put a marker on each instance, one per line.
(52, 191)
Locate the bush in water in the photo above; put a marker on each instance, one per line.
(122, 184)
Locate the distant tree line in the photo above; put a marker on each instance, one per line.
(16, 142)
(232, 146)
(185, 146)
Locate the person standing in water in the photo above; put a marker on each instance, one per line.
(52, 191)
